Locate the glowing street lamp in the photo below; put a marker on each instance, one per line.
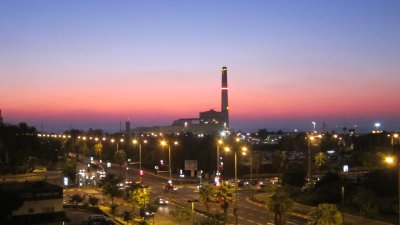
(244, 152)
(140, 156)
(163, 143)
(218, 163)
(377, 125)
(314, 123)
(311, 138)
(391, 161)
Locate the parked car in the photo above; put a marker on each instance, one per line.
(39, 169)
(98, 219)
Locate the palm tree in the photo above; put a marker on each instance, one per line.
(279, 203)
(207, 193)
(98, 148)
(225, 195)
(325, 214)
(320, 159)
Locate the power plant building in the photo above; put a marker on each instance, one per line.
(209, 122)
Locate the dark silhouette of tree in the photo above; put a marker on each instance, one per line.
(207, 194)
(294, 174)
(325, 214)
(328, 189)
(225, 196)
(93, 201)
(76, 199)
(279, 204)
(110, 187)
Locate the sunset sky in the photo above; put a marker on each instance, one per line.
(93, 63)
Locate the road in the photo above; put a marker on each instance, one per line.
(248, 213)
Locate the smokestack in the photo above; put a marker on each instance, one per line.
(224, 96)
(128, 129)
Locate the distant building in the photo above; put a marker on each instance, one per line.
(209, 122)
(128, 134)
(212, 117)
(38, 198)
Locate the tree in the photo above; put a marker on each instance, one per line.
(127, 216)
(93, 201)
(225, 195)
(207, 193)
(120, 157)
(279, 160)
(366, 202)
(294, 174)
(325, 214)
(110, 187)
(70, 168)
(98, 149)
(279, 204)
(180, 214)
(320, 159)
(76, 199)
(138, 195)
(328, 188)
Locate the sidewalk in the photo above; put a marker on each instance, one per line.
(301, 210)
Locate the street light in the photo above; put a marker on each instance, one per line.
(244, 152)
(314, 123)
(377, 125)
(392, 138)
(311, 138)
(163, 143)
(391, 161)
(218, 163)
(244, 149)
(193, 201)
(140, 156)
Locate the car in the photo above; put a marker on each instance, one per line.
(98, 219)
(161, 201)
(169, 187)
(146, 212)
(39, 169)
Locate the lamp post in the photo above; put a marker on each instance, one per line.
(218, 163)
(193, 201)
(314, 123)
(251, 170)
(309, 158)
(392, 138)
(390, 160)
(140, 156)
(163, 143)
(244, 151)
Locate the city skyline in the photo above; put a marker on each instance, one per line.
(87, 65)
